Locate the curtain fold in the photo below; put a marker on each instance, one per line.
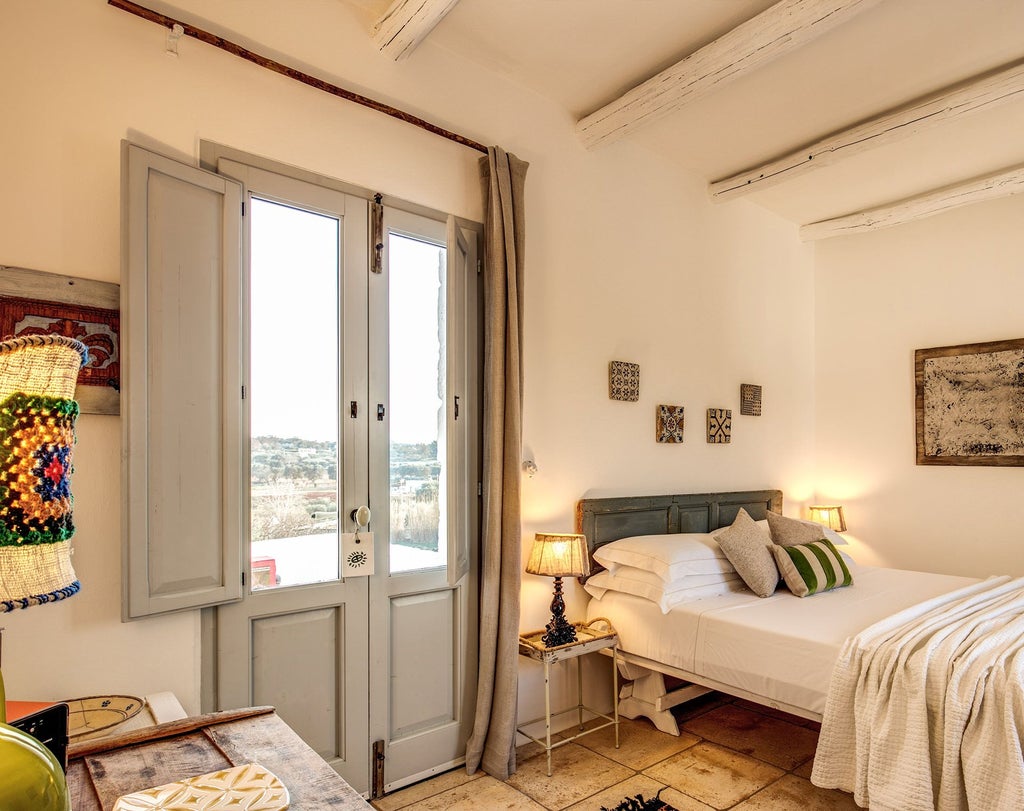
(491, 745)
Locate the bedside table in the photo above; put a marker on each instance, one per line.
(587, 641)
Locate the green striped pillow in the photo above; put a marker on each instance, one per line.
(812, 567)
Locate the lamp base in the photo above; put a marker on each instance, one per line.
(559, 631)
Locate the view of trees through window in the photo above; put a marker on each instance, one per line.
(295, 490)
(294, 510)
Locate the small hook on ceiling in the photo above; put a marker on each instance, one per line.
(174, 33)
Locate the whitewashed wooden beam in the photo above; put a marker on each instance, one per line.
(777, 30)
(948, 104)
(989, 187)
(406, 24)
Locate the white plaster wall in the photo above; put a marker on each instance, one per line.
(626, 260)
(952, 279)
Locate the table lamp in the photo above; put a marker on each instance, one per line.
(829, 515)
(557, 555)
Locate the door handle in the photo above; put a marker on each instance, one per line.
(360, 516)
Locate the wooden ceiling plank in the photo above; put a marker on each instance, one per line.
(777, 30)
(989, 187)
(949, 104)
(406, 24)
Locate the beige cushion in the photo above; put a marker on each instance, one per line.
(747, 549)
(791, 532)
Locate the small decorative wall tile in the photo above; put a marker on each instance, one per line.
(719, 425)
(670, 423)
(624, 381)
(750, 400)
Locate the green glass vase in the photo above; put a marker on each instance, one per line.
(31, 779)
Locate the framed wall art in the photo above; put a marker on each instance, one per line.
(669, 424)
(624, 381)
(750, 400)
(37, 303)
(970, 404)
(719, 426)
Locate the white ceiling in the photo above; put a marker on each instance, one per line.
(582, 54)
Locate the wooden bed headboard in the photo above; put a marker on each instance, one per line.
(604, 520)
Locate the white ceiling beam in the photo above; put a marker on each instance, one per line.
(406, 24)
(777, 30)
(948, 104)
(989, 187)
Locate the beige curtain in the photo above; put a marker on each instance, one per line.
(491, 746)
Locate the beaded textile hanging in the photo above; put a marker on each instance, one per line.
(37, 421)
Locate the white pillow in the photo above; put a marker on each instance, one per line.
(641, 583)
(668, 556)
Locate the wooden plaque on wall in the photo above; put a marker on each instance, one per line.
(35, 303)
(970, 404)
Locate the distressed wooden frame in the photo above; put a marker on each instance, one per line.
(1000, 402)
(69, 292)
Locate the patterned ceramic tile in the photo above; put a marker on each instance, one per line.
(624, 381)
(714, 775)
(719, 425)
(771, 739)
(750, 400)
(669, 427)
(249, 787)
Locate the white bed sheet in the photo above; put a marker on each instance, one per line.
(781, 647)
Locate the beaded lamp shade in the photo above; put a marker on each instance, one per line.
(37, 435)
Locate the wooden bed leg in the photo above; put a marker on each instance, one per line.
(646, 695)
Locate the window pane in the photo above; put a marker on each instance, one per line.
(417, 396)
(293, 397)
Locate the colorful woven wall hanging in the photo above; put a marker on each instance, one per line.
(37, 436)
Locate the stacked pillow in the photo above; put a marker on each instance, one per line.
(807, 560)
(682, 567)
(666, 569)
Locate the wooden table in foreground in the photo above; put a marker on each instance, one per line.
(100, 771)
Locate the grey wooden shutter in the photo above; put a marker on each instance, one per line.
(181, 317)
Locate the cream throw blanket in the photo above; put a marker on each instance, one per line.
(925, 709)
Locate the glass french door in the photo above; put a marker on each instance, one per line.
(423, 603)
(355, 378)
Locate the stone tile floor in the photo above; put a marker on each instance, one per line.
(731, 754)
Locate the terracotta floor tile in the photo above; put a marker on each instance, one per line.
(683, 802)
(640, 744)
(424, 789)
(791, 792)
(804, 770)
(784, 716)
(766, 737)
(577, 773)
(714, 775)
(698, 706)
(485, 793)
(611, 797)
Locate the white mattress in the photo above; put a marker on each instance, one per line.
(781, 648)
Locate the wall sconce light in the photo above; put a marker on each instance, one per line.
(558, 556)
(38, 374)
(829, 515)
